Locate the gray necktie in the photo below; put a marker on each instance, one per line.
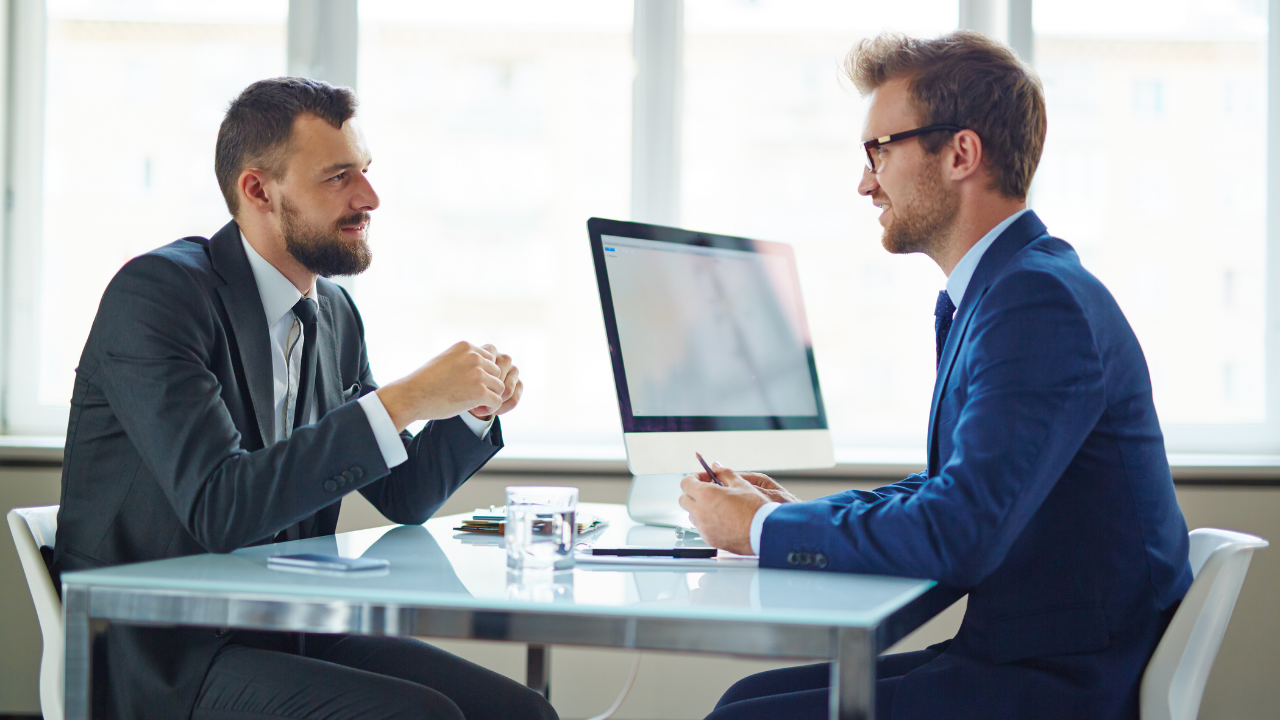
(305, 311)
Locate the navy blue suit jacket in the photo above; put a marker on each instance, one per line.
(1047, 497)
(170, 447)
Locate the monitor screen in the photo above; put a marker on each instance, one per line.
(706, 332)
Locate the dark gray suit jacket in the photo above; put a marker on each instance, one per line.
(165, 454)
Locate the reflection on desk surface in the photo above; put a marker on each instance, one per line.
(431, 565)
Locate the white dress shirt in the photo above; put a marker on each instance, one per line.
(278, 298)
(957, 283)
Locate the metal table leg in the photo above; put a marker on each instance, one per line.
(79, 699)
(853, 676)
(538, 671)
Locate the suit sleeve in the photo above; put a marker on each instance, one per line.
(442, 456)
(1035, 393)
(160, 338)
(906, 486)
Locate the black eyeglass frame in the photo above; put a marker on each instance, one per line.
(874, 143)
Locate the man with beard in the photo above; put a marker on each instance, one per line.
(1047, 496)
(224, 399)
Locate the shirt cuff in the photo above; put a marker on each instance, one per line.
(757, 524)
(384, 431)
(478, 426)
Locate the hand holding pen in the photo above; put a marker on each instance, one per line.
(710, 472)
(765, 484)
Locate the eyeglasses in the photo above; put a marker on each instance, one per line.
(874, 143)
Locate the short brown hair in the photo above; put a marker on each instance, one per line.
(964, 78)
(258, 127)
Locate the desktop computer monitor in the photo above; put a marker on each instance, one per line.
(710, 349)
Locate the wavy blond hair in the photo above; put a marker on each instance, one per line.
(964, 78)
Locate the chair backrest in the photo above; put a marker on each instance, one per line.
(33, 528)
(1173, 684)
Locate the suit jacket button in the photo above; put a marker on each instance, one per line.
(347, 477)
(793, 559)
(357, 473)
(330, 485)
(222, 632)
(820, 560)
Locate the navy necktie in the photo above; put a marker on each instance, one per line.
(943, 313)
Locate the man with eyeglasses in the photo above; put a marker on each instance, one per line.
(1047, 497)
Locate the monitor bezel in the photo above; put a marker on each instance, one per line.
(599, 227)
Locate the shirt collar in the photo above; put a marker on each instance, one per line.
(278, 294)
(962, 273)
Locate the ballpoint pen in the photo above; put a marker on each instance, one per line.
(707, 467)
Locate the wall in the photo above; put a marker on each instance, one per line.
(19, 632)
(585, 681)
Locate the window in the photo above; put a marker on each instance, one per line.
(498, 127)
(772, 133)
(493, 142)
(1155, 170)
(133, 95)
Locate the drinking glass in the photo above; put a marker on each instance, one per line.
(541, 527)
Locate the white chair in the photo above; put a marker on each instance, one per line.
(1173, 684)
(32, 529)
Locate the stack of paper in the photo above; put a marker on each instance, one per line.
(493, 520)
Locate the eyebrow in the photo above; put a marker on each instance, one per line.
(339, 167)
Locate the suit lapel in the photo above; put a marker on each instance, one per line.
(1014, 238)
(328, 382)
(243, 302)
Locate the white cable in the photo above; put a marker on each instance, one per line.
(626, 689)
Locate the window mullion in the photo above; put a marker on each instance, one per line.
(985, 16)
(6, 202)
(322, 45)
(657, 45)
(1022, 37)
(322, 40)
(24, 172)
(1272, 278)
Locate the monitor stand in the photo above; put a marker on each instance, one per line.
(652, 500)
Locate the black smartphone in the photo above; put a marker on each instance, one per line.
(675, 552)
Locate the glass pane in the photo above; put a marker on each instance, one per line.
(1155, 170)
(135, 93)
(497, 128)
(771, 151)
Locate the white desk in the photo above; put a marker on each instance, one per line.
(442, 583)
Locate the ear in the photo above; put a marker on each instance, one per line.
(966, 155)
(254, 191)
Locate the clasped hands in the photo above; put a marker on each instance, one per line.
(464, 378)
(723, 514)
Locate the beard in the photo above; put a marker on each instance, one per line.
(322, 250)
(925, 226)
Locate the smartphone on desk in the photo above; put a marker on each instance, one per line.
(327, 564)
